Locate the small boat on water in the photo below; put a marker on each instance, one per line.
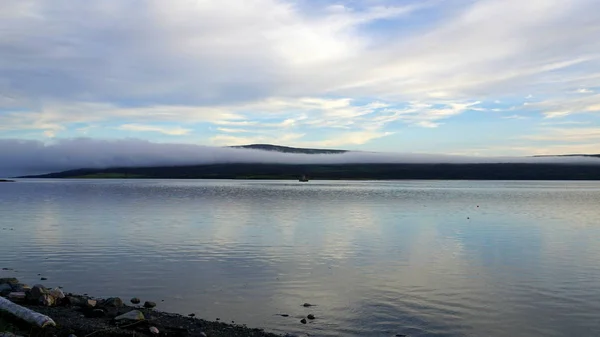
(303, 179)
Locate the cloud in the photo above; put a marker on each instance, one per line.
(314, 68)
(573, 134)
(177, 131)
(20, 157)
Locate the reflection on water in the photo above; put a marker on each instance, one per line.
(422, 258)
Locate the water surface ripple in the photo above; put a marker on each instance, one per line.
(421, 258)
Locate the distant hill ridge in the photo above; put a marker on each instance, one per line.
(287, 149)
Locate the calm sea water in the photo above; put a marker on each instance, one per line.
(421, 258)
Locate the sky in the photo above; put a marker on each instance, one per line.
(454, 77)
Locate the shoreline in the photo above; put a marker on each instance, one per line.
(82, 315)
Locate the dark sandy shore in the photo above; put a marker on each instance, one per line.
(86, 316)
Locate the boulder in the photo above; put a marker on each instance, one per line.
(76, 301)
(5, 289)
(91, 303)
(57, 293)
(9, 280)
(48, 300)
(114, 302)
(17, 296)
(37, 292)
(134, 315)
(135, 300)
(21, 288)
(149, 304)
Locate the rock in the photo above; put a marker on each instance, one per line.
(203, 334)
(149, 304)
(135, 300)
(154, 330)
(284, 315)
(303, 321)
(5, 289)
(76, 301)
(17, 296)
(134, 315)
(43, 278)
(57, 293)
(307, 305)
(91, 303)
(21, 288)
(9, 280)
(192, 315)
(113, 302)
(37, 292)
(48, 300)
(310, 316)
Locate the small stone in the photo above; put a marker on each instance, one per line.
(154, 330)
(218, 319)
(115, 302)
(310, 316)
(192, 315)
(91, 303)
(307, 305)
(149, 304)
(303, 321)
(134, 315)
(135, 300)
(284, 315)
(44, 279)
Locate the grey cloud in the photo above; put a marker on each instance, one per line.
(21, 157)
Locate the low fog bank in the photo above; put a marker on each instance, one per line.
(27, 157)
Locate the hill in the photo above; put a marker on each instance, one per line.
(346, 172)
(287, 149)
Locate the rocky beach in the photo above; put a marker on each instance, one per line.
(72, 315)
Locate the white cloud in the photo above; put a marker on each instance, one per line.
(171, 131)
(573, 134)
(302, 66)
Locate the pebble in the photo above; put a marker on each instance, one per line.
(284, 315)
(135, 300)
(310, 316)
(307, 305)
(91, 303)
(43, 278)
(149, 304)
(154, 330)
(303, 321)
